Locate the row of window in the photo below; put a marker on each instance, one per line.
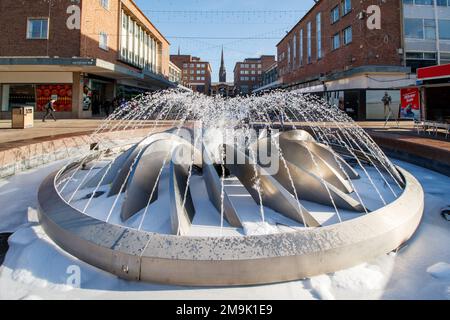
(192, 65)
(137, 46)
(253, 65)
(191, 78)
(442, 3)
(251, 72)
(340, 11)
(426, 29)
(248, 78)
(203, 71)
(347, 38)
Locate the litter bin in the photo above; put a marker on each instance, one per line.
(22, 117)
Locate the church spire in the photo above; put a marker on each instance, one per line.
(222, 71)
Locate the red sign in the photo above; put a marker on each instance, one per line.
(410, 103)
(434, 72)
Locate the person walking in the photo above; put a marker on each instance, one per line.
(49, 110)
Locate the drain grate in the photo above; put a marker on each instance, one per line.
(3, 245)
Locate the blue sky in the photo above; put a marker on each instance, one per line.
(266, 20)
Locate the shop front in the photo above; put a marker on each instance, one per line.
(18, 91)
(434, 85)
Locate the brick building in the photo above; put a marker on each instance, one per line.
(333, 52)
(269, 80)
(248, 73)
(196, 74)
(83, 52)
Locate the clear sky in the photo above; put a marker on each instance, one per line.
(246, 28)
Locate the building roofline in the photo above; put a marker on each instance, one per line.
(148, 20)
(300, 21)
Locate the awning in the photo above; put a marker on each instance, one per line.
(434, 72)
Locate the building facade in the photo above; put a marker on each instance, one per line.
(84, 53)
(196, 74)
(351, 53)
(175, 73)
(269, 80)
(426, 33)
(248, 73)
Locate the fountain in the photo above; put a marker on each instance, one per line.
(238, 191)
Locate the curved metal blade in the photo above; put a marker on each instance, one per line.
(273, 194)
(181, 217)
(214, 188)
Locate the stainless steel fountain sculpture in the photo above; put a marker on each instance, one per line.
(99, 208)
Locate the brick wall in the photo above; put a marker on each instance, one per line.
(62, 42)
(369, 47)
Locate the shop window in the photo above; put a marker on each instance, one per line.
(18, 96)
(62, 92)
(375, 107)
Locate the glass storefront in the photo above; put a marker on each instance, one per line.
(375, 109)
(36, 96)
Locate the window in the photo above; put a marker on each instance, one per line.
(185, 71)
(294, 47)
(319, 35)
(199, 65)
(445, 57)
(335, 15)
(348, 35)
(336, 41)
(191, 78)
(37, 28)
(442, 3)
(429, 27)
(185, 65)
(424, 2)
(346, 7)
(301, 47)
(308, 26)
(259, 66)
(192, 65)
(202, 71)
(414, 28)
(191, 71)
(289, 55)
(105, 4)
(417, 60)
(253, 66)
(242, 65)
(253, 72)
(444, 29)
(103, 41)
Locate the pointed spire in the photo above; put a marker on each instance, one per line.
(222, 71)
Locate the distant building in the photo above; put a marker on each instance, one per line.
(223, 88)
(269, 80)
(196, 74)
(248, 73)
(335, 52)
(174, 73)
(115, 51)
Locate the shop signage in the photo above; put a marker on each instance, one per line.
(409, 103)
